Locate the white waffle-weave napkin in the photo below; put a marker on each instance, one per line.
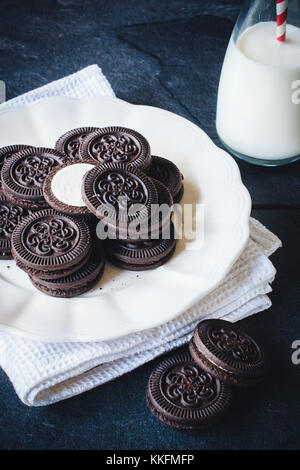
(44, 373)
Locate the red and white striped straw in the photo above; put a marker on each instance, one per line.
(282, 8)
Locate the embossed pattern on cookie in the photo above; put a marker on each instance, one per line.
(184, 396)
(117, 145)
(50, 241)
(23, 175)
(7, 152)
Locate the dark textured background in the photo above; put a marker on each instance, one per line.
(165, 53)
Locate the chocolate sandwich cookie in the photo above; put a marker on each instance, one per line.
(10, 218)
(62, 187)
(143, 255)
(167, 172)
(223, 350)
(6, 152)
(77, 283)
(119, 195)
(117, 145)
(48, 244)
(70, 142)
(23, 175)
(184, 396)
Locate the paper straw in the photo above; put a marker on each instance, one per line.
(281, 10)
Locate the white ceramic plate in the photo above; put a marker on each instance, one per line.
(125, 302)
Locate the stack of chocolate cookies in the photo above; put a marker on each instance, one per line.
(58, 253)
(23, 170)
(193, 391)
(51, 201)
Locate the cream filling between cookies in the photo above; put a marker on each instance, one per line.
(66, 184)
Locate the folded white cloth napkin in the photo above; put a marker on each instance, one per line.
(44, 373)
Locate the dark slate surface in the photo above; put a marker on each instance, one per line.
(166, 54)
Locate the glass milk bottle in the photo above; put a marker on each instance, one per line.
(258, 109)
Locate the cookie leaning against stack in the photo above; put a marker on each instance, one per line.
(112, 190)
(102, 188)
(222, 349)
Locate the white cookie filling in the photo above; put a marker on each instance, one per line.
(66, 183)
